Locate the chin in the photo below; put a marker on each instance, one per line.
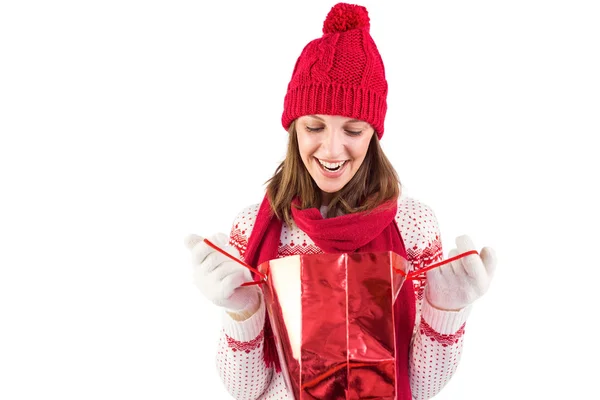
(330, 189)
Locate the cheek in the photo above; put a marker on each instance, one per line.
(360, 150)
(306, 147)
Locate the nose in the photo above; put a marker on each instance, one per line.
(333, 143)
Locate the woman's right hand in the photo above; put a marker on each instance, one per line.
(219, 278)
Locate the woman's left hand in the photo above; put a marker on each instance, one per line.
(459, 283)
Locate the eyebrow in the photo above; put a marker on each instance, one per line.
(321, 119)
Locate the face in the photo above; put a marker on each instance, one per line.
(332, 148)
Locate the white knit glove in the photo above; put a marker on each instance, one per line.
(455, 285)
(218, 277)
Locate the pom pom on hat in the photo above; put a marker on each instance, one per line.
(344, 17)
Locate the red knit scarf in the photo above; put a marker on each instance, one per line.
(358, 232)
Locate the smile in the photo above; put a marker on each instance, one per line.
(332, 167)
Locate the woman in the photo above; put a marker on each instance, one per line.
(336, 191)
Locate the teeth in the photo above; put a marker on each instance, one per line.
(331, 165)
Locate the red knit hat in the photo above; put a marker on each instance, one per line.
(340, 73)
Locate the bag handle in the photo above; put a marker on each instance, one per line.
(410, 275)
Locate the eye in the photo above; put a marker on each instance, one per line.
(353, 133)
(313, 129)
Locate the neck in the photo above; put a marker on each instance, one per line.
(325, 198)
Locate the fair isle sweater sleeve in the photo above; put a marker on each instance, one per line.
(240, 351)
(239, 355)
(438, 337)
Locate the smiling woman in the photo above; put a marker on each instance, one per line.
(337, 192)
(335, 163)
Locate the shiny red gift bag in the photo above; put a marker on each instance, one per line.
(333, 321)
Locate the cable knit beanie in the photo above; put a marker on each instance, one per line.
(340, 73)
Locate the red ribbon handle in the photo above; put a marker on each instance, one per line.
(415, 274)
(410, 275)
(263, 277)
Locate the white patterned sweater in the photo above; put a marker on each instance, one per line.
(437, 340)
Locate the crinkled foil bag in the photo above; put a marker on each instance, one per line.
(333, 321)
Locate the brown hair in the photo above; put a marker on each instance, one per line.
(375, 182)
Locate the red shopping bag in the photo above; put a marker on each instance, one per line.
(333, 321)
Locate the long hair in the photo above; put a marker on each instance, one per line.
(375, 182)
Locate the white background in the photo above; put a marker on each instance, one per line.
(126, 125)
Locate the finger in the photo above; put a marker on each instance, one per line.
(233, 281)
(229, 277)
(192, 240)
(221, 271)
(455, 267)
(472, 263)
(200, 251)
(213, 261)
(464, 243)
(443, 271)
(489, 259)
(219, 239)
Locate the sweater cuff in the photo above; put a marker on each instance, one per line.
(247, 330)
(444, 322)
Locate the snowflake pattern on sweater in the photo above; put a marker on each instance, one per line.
(438, 336)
